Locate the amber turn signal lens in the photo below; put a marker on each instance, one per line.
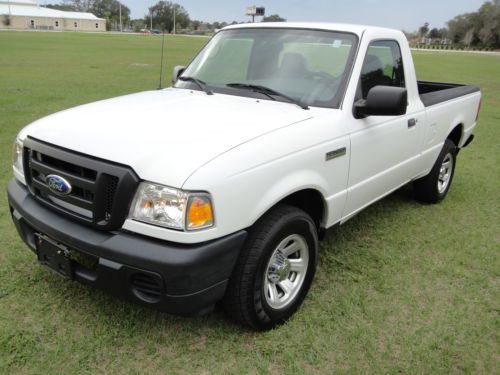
(147, 205)
(200, 214)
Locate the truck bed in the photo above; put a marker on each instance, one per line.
(432, 93)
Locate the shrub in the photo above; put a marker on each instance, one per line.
(6, 20)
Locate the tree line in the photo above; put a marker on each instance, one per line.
(476, 29)
(480, 28)
(160, 17)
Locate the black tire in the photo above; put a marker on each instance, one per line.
(245, 301)
(426, 189)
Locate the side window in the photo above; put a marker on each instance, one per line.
(383, 66)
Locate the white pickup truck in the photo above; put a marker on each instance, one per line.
(219, 188)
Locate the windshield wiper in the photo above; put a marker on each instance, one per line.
(267, 91)
(202, 85)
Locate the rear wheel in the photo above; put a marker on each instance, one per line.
(275, 269)
(434, 187)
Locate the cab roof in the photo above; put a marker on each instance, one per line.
(351, 28)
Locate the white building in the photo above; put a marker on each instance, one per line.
(27, 14)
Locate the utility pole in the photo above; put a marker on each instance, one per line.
(121, 25)
(174, 17)
(151, 19)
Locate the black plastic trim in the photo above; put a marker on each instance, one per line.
(382, 101)
(127, 182)
(432, 93)
(468, 141)
(193, 276)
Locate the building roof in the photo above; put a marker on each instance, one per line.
(29, 8)
(26, 2)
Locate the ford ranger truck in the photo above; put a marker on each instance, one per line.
(219, 188)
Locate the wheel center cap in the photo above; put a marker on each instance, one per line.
(279, 269)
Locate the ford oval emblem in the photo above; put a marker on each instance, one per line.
(58, 184)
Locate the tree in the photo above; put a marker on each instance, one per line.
(79, 5)
(469, 37)
(443, 33)
(137, 25)
(434, 34)
(482, 26)
(423, 30)
(6, 20)
(274, 18)
(65, 7)
(163, 16)
(458, 27)
(489, 32)
(196, 24)
(110, 10)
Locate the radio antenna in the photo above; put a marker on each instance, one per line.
(160, 86)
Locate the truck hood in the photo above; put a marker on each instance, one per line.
(164, 135)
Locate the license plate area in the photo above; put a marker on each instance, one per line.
(54, 256)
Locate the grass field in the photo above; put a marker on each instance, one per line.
(401, 288)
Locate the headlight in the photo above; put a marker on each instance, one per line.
(172, 208)
(17, 156)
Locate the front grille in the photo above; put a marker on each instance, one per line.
(76, 170)
(101, 191)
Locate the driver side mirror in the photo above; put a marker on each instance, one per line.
(178, 70)
(382, 101)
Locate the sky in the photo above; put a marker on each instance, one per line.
(399, 14)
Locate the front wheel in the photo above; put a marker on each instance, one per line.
(275, 269)
(434, 187)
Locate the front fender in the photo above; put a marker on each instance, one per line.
(286, 186)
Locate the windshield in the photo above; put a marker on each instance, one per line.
(309, 66)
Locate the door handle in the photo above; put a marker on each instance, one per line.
(412, 122)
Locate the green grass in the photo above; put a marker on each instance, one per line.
(401, 288)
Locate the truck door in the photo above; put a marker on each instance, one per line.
(383, 148)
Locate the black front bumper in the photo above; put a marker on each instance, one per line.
(184, 279)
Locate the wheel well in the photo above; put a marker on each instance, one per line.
(456, 134)
(310, 201)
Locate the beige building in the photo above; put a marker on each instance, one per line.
(27, 15)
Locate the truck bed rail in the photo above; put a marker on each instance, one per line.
(432, 93)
